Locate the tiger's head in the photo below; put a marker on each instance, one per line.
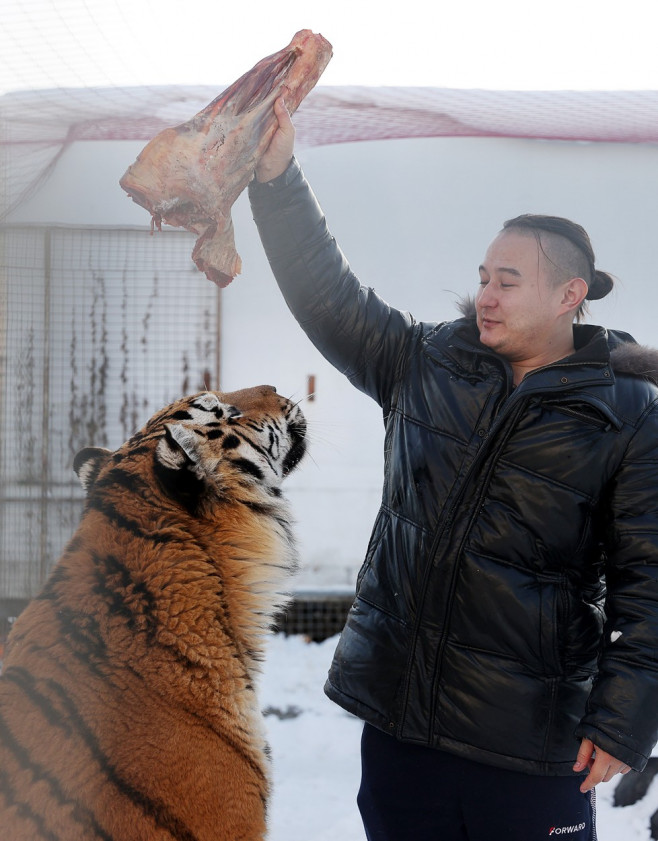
(248, 440)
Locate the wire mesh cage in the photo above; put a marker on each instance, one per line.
(96, 334)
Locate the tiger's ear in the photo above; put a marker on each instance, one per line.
(88, 463)
(178, 466)
(177, 449)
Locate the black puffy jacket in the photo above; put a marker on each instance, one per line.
(481, 623)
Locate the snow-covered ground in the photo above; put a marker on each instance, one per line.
(315, 748)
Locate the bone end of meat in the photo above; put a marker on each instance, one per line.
(190, 175)
(314, 54)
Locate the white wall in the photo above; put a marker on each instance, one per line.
(414, 217)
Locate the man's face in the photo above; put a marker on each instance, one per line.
(517, 305)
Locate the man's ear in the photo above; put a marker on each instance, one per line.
(88, 463)
(574, 293)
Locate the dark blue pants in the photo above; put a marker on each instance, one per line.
(413, 793)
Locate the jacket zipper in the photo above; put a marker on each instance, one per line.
(438, 667)
(509, 411)
(447, 526)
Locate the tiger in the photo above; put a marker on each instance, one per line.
(128, 696)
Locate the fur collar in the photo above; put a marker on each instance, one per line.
(635, 359)
(626, 355)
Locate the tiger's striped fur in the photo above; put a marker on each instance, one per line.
(128, 709)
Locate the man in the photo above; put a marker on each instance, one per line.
(521, 470)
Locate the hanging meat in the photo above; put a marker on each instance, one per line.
(190, 176)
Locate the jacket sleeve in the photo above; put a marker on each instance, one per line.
(622, 713)
(353, 328)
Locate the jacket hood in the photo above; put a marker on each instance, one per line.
(626, 355)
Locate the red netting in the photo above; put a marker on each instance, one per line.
(36, 126)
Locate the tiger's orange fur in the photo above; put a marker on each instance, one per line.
(128, 709)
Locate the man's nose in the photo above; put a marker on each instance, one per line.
(487, 297)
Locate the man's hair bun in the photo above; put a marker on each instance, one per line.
(600, 285)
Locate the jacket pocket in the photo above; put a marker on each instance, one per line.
(552, 608)
(592, 412)
(375, 539)
(571, 627)
(584, 631)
